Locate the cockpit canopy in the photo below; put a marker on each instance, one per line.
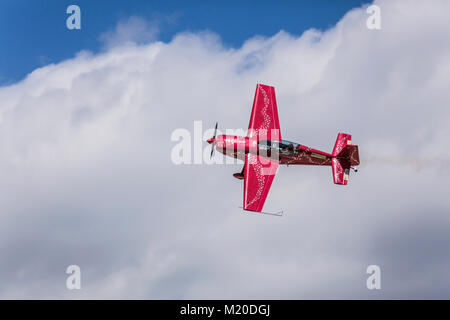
(279, 146)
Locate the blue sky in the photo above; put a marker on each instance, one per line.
(34, 33)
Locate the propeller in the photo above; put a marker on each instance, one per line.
(212, 141)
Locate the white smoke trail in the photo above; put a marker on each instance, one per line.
(414, 163)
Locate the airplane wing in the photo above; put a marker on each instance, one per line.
(264, 118)
(258, 176)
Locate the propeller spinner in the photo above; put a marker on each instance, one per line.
(212, 141)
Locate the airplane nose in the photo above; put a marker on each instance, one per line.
(211, 140)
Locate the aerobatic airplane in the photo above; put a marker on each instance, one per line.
(263, 150)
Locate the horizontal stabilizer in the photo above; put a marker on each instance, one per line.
(342, 140)
(340, 173)
(345, 155)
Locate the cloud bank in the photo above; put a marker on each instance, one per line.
(86, 176)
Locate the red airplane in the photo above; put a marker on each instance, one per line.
(263, 150)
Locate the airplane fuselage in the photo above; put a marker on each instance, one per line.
(285, 152)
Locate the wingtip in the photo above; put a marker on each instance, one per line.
(277, 214)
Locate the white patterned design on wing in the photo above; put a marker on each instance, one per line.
(257, 167)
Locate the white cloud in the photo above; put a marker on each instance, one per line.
(87, 178)
(131, 31)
